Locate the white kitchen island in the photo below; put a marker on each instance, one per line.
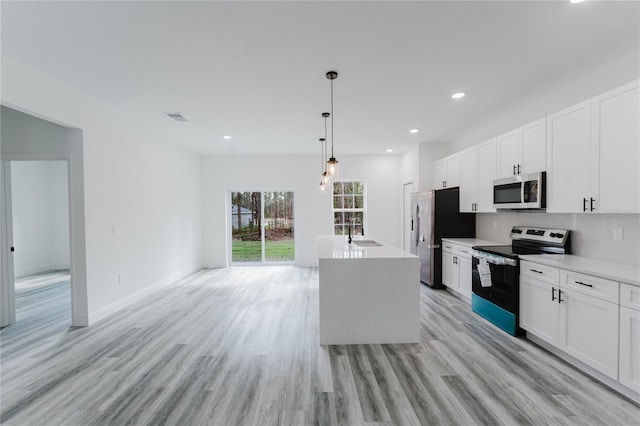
(368, 294)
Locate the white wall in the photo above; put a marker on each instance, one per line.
(40, 216)
(578, 88)
(312, 209)
(417, 164)
(591, 234)
(142, 192)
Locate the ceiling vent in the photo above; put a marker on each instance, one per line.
(176, 116)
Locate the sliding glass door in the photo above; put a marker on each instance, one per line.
(262, 227)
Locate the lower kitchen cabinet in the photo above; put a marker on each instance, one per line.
(588, 330)
(450, 271)
(465, 276)
(629, 374)
(456, 268)
(539, 309)
(581, 325)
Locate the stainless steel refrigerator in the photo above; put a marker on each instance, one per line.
(436, 215)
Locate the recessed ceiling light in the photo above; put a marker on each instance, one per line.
(227, 137)
(389, 150)
(575, 1)
(458, 95)
(414, 130)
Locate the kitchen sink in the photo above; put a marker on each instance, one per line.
(366, 243)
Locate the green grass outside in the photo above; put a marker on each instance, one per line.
(250, 251)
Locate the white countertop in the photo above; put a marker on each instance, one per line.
(621, 272)
(337, 247)
(470, 242)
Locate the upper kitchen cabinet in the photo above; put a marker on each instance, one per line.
(593, 154)
(615, 180)
(569, 159)
(477, 173)
(446, 172)
(522, 150)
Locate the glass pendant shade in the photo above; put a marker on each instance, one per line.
(323, 186)
(325, 178)
(332, 168)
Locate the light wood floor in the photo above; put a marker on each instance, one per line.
(240, 346)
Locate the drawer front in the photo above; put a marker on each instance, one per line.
(593, 286)
(464, 251)
(450, 247)
(544, 273)
(630, 296)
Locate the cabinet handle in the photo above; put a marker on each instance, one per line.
(514, 169)
(444, 183)
(463, 251)
(584, 284)
(455, 260)
(518, 168)
(584, 204)
(560, 296)
(537, 272)
(553, 294)
(592, 200)
(447, 247)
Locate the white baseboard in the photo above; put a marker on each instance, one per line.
(32, 270)
(118, 305)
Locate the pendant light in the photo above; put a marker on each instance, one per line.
(332, 164)
(325, 179)
(325, 174)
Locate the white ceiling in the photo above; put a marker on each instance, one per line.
(256, 70)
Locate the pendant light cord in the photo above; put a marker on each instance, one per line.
(332, 118)
(324, 146)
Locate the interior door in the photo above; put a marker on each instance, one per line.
(407, 222)
(7, 290)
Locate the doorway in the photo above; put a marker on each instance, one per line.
(262, 227)
(407, 190)
(40, 285)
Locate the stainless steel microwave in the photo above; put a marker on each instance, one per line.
(520, 192)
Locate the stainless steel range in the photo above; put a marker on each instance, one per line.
(496, 272)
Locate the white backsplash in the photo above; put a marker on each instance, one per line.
(591, 234)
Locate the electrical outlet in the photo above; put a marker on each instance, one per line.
(495, 224)
(617, 234)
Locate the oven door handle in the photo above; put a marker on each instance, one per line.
(496, 260)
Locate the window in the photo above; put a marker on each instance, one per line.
(348, 207)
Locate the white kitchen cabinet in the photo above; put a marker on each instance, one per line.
(464, 279)
(486, 176)
(589, 331)
(450, 271)
(629, 371)
(592, 154)
(509, 149)
(468, 179)
(446, 172)
(522, 150)
(539, 311)
(477, 173)
(615, 180)
(569, 159)
(456, 268)
(576, 318)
